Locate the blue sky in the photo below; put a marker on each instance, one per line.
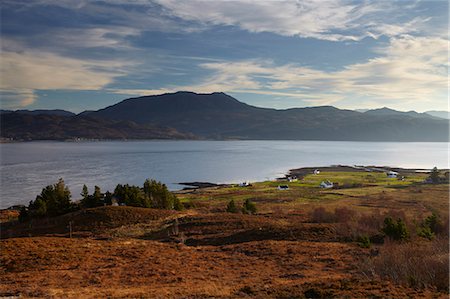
(87, 54)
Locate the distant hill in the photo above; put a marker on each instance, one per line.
(41, 112)
(441, 114)
(220, 116)
(19, 126)
(390, 112)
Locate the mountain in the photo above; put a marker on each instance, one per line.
(41, 112)
(19, 126)
(220, 116)
(390, 112)
(440, 114)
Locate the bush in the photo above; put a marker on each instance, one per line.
(231, 207)
(419, 265)
(395, 230)
(249, 207)
(364, 241)
(320, 215)
(431, 226)
(344, 214)
(434, 175)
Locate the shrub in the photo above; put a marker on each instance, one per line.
(249, 207)
(431, 226)
(364, 241)
(419, 265)
(231, 207)
(395, 230)
(344, 214)
(434, 175)
(320, 215)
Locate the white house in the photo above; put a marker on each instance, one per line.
(317, 171)
(114, 202)
(283, 187)
(392, 174)
(292, 179)
(244, 184)
(326, 185)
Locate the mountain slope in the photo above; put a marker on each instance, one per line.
(440, 114)
(58, 112)
(390, 112)
(219, 116)
(18, 126)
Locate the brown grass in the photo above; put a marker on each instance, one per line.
(203, 252)
(420, 264)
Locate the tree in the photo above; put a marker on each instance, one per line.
(131, 196)
(84, 192)
(431, 226)
(159, 196)
(94, 200)
(108, 198)
(434, 175)
(231, 207)
(177, 205)
(54, 200)
(248, 207)
(395, 230)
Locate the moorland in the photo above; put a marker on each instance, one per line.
(369, 236)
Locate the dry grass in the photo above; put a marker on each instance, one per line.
(419, 264)
(204, 252)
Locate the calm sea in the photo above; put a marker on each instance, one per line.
(28, 167)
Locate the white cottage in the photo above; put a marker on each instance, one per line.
(326, 185)
(317, 171)
(392, 174)
(292, 179)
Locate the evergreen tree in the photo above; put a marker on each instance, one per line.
(434, 175)
(108, 198)
(231, 207)
(248, 207)
(177, 205)
(84, 192)
(159, 196)
(395, 230)
(54, 200)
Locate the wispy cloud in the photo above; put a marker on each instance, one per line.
(334, 20)
(26, 70)
(407, 71)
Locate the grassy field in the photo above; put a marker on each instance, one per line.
(304, 242)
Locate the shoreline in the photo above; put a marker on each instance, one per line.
(299, 173)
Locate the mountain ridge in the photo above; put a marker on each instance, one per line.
(220, 116)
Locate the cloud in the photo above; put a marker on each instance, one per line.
(408, 70)
(13, 99)
(334, 20)
(104, 37)
(25, 70)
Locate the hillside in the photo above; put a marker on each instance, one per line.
(304, 242)
(220, 116)
(19, 126)
(187, 115)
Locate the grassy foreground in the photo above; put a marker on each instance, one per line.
(304, 242)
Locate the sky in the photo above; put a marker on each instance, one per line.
(89, 54)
